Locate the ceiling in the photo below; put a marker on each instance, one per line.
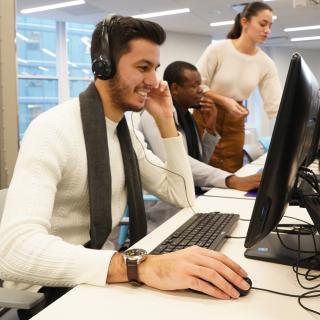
(197, 21)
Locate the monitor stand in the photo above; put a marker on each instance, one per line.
(270, 249)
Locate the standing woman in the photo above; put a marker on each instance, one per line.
(230, 71)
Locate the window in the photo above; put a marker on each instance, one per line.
(79, 61)
(37, 68)
(46, 75)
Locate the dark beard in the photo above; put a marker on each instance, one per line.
(118, 93)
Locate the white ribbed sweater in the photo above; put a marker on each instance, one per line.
(46, 215)
(230, 73)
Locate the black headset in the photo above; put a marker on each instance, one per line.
(102, 66)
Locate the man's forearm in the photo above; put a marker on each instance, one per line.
(167, 127)
(217, 98)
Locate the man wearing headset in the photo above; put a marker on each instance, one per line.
(63, 202)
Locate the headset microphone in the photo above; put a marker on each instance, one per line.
(102, 66)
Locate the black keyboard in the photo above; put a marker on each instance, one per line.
(207, 230)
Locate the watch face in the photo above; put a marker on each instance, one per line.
(134, 254)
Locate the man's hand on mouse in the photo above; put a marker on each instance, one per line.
(194, 268)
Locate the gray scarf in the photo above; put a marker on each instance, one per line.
(99, 175)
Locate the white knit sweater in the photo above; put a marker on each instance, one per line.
(230, 73)
(46, 215)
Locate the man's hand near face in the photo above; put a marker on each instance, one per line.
(208, 112)
(159, 105)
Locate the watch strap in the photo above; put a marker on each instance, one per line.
(132, 271)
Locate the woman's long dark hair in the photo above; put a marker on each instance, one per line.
(250, 10)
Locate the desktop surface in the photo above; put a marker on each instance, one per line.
(121, 300)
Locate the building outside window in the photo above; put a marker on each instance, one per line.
(53, 61)
(79, 61)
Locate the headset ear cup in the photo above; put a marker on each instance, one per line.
(102, 68)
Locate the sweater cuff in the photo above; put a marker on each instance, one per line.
(221, 182)
(95, 265)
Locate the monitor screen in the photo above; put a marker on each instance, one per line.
(294, 143)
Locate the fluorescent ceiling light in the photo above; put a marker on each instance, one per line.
(301, 28)
(22, 60)
(72, 64)
(22, 37)
(33, 106)
(86, 41)
(48, 52)
(305, 38)
(161, 13)
(43, 68)
(221, 23)
(85, 71)
(229, 22)
(53, 6)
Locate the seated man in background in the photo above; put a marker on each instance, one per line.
(184, 82)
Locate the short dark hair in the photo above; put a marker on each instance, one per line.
(174, 72)
(121, 30)
(250, 10)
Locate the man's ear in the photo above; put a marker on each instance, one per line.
(174, 89)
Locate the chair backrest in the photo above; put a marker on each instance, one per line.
(265, 141)
(253, 151)
(3, 194)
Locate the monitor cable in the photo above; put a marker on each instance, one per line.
(308, 294)
(313, 291)
(305, 295)
(157, 166)
(310, 177)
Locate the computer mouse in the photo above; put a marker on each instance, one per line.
(244, 292)
(241, 291)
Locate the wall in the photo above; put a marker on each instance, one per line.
(281, 56)
(182, 46)
(8, 92)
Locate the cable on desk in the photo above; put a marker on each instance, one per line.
(308, 276)
(294, 218)
(305, 295)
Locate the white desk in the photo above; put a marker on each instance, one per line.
(249, 169)
(119, 300)
(261, 160)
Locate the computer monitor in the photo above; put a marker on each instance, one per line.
(314, 150)
(293, 144)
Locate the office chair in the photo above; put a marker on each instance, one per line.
(252, 151)
(12, 298)
(124, 222)
(265, 141)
